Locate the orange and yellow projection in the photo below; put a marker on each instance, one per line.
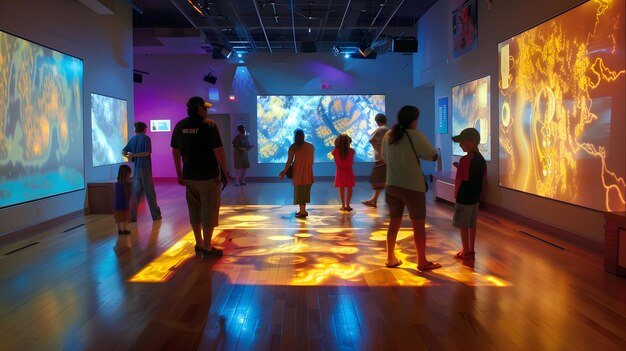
(562, 116)
(267, 242)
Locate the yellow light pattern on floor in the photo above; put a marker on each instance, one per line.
(324, 249)
(163, 266)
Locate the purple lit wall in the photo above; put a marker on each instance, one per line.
(175, 78)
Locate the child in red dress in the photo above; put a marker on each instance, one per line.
(344, 176)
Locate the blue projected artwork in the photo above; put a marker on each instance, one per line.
(109, 129)
(471, 108)
(322, 118)
(41, 124)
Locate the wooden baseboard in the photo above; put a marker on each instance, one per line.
(559, 234)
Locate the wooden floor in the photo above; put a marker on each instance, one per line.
(291, 284)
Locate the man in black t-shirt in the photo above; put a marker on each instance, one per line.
(196, 143)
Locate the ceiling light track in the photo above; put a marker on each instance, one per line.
(388, 20)
(293, 29)
(269, 46)
(343, 19)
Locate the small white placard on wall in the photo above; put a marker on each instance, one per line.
(160, 125)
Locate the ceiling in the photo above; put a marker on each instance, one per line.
(264, 26)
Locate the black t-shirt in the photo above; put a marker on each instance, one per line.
(472, 171)
(196, 141)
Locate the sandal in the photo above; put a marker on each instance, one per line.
(301, 215)
(369, 203)
(394, 265)
(429, 266)
(464, 256)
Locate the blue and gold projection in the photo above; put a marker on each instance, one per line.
(109, 129)
(471, 108)
(322, 118)
(561, 103)
(41, 124)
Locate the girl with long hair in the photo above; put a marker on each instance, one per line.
(343, 155)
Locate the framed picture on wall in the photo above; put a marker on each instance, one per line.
(465, 28)
(160, 125)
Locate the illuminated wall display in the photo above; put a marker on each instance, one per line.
(471, 107)
(322, 118)
(561, 108)
(109, 129)
(41, 122)
(442, 110)
(160, 125)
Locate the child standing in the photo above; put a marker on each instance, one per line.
(468, 185)
(123, 195)
(344, 175)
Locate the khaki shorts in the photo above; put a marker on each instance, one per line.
(465, 216)
(414, 201)
(378, 176)
(203, 201)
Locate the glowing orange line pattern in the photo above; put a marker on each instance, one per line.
(560, 83)
(323, 250)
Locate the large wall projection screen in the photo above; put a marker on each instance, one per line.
(41, 124)
(322, 118)
(109, 129)
(471, 108)
(561, 108)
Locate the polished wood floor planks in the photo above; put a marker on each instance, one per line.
(292, 284)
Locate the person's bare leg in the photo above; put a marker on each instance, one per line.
(392, 234)
(197, 234)
(236, 179)
(419, 236)
(471, 239)
(302, 208)
(243, 175)
(464, 240)
(342, 196)
(374, 198)
(348, 197)
(208, 235)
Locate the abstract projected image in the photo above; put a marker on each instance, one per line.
(561, 101)
(109, 129)
(471, 103)
(322, 118)
(41, 124)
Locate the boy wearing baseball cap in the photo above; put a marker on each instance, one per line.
(468, 185)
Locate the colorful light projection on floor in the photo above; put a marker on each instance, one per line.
(328, 248)
(562, 112)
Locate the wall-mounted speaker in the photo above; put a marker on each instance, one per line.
(404, 44)
(137, 77)
(209, 78)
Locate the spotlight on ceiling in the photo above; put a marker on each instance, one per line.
(210, 78)
(336, 50)
(365, 52)
(226, 52)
